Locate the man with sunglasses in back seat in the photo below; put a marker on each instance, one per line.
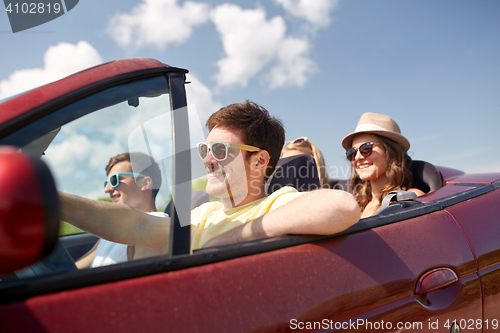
(240, 153)
(138, 190)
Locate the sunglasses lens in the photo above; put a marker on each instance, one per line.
(366, 149)
(113, 180)
(299, 141)
(219, 151)
(350, 154)
(202, 150)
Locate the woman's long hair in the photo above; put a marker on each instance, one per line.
(398, 174)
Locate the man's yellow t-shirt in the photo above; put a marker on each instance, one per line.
(210, 219)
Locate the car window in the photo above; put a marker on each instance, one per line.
(78, 140)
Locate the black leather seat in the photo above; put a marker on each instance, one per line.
(426, 176)
(299, 171)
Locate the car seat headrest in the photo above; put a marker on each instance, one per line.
(299, 171)
(426, 176)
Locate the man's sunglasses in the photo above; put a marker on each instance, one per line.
(366, 149)
(220, 149)
(114, 179)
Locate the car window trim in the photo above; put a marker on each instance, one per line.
(66, 99)
(80, 108)
(180, 236)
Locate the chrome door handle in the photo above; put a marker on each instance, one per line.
(434, 279)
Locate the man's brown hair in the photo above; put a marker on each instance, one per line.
(140, 163)
(256, 127)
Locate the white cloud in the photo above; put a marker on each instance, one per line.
(59, 61)
(157, 23)
(200, 95)
(62, 157)
(293, 64)
(251, 42)
(316, 12)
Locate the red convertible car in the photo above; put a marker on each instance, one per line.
(428, 264)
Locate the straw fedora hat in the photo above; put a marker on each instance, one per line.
(378, 124)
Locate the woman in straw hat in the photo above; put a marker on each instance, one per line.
(380, 163)
(304, 146)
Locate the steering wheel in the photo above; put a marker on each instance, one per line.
(58, 261)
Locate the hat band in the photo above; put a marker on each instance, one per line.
(372, 127)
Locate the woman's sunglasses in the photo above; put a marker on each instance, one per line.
(220, 149)
(298, 141)
(366, 149)
(114, 180)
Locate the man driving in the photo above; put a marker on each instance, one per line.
(138, 190)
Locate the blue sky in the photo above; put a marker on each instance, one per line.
(434, 66)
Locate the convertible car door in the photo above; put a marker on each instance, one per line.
(480, 221)
(365, 280)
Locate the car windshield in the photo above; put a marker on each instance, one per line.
(77, 142)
